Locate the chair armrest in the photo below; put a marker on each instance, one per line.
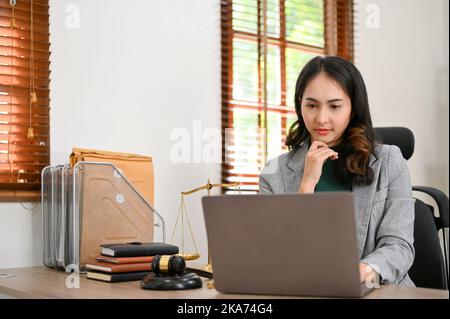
(441, 200)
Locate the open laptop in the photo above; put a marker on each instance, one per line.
(299, 244)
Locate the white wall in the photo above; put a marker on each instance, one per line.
(404, 63)
(130, 75)
(20, 235)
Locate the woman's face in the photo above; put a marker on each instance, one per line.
(326, 110)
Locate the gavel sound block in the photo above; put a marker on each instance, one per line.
(169, 273)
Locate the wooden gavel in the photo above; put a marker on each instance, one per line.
(168, 265)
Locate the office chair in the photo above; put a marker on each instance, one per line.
(430, 267)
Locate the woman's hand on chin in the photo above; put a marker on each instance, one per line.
(317, 154)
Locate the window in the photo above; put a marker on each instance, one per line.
(24, 97)
(265, 44)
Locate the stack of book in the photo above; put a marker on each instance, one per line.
(126, 262)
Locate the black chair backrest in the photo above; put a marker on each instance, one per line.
(399, 136)
(428, 269)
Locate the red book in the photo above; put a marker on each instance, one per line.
(117, 268)
(125, 260)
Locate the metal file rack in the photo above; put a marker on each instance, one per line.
(88, 204)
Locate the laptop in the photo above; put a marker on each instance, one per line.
(292, 244)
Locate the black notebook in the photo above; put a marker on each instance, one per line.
(138, 249)
(129, 276)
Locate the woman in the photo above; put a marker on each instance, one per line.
(332, 148)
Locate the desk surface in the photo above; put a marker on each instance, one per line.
(42, 282)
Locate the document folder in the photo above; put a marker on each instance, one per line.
(89, 204)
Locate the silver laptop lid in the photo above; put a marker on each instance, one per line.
(300, 244)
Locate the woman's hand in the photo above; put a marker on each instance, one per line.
(317, 154)
(367, 274)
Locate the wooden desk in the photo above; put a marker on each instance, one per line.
(42, 282)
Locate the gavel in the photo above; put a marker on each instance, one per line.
(169, 273)
(168, 265)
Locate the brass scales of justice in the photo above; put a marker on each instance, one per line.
(183, 214)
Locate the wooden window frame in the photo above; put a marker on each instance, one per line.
(338, 40)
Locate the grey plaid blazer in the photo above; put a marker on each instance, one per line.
(384, 209)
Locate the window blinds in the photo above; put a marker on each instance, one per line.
(24, 93)
(265, 44)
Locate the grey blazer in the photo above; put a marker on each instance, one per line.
(384, 209)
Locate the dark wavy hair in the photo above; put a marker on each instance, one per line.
(358, 138)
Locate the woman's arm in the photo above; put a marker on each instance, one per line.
(317, 154)
(394, 253)
(264, 185)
